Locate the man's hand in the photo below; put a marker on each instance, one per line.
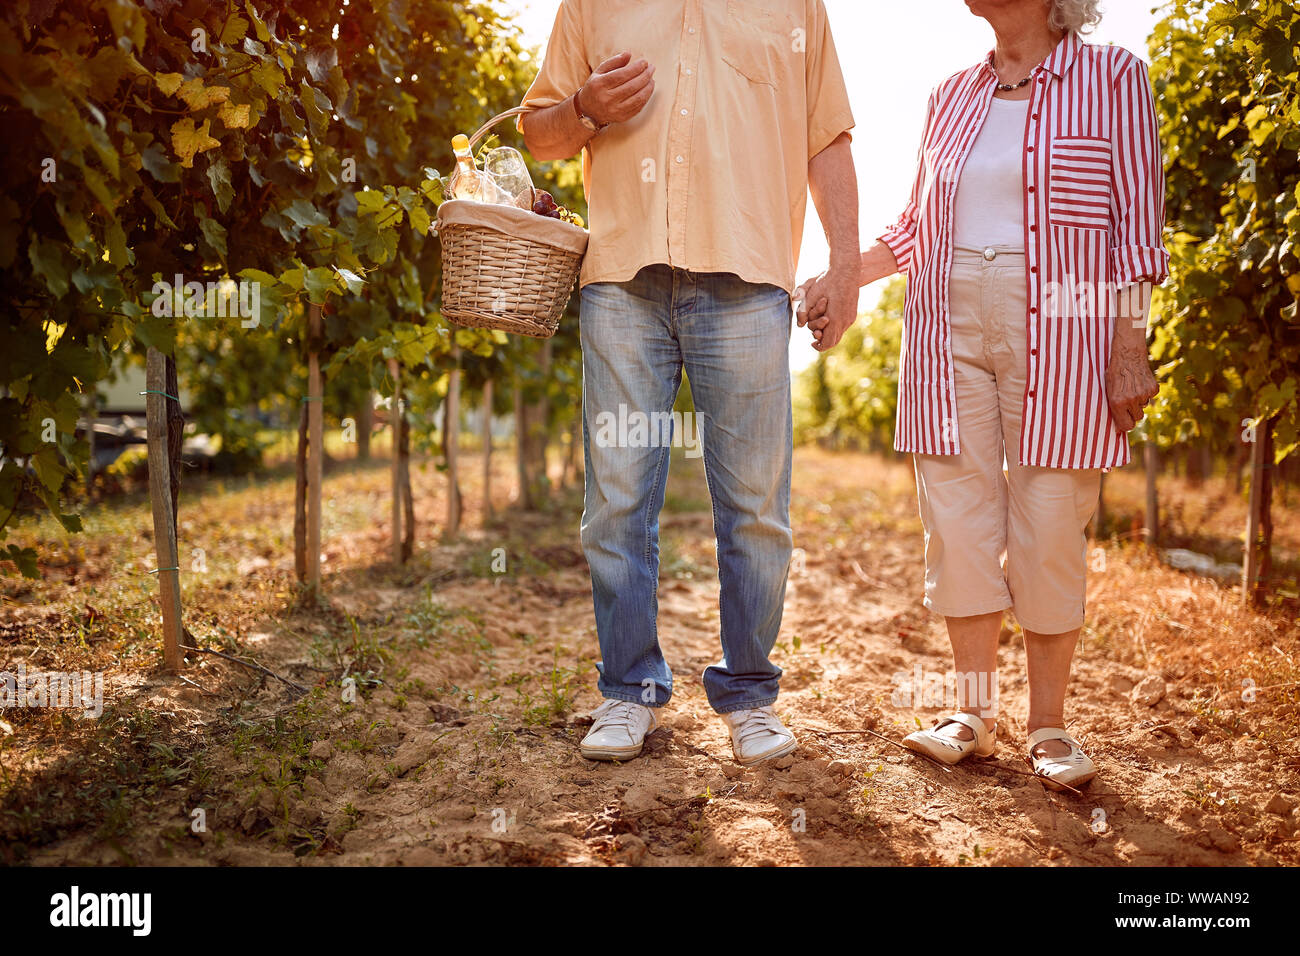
(618, 90)
(615, 93)
(833, 298)
(1130, 383)
(828, 305)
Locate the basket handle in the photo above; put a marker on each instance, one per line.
(483, 130)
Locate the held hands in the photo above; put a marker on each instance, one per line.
(618, 90)
(828, 305)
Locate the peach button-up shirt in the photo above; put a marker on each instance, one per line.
(712, 176)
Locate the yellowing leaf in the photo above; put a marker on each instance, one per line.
(235, 116)
(268, 77)
(169, 83)
(186, 140)
(197, 96)
(235, 29)
(263, 33)
(419, 219)
(118, 253)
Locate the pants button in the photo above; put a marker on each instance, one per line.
(990, 253)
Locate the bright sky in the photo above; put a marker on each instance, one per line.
(892, 55)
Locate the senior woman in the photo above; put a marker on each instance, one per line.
(1030, 244)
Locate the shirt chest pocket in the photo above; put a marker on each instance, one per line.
(1079, 183)
(756, 43)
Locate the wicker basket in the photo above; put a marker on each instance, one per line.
(504, 267)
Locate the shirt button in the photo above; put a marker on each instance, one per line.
(689, 71)
(1033, 351)
(681, 159)
(1033, 189)
(685, 112)
(1032, 394)
(1033, 228)
(1033, 311)
(691, 31)
(1031, 149)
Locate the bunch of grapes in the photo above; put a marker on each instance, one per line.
(544, 205)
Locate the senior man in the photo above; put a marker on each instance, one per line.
(702, 124)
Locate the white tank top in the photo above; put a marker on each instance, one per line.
(990, 208)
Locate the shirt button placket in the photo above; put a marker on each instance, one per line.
(1031, 251)
(679, 132)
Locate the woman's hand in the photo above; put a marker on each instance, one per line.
(813, 299)
(1130, 383)
(809, 303)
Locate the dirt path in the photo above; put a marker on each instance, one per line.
(466, 753)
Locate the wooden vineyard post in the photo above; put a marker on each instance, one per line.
(575, 444)
(571, 441)
(404, 473)
(300, 498)
(1151, 461)
(92, 414)
(396, 416)
(1250, 564)
(365, 424)
(487, 451)
(315, 446)
(521, 446)
(451, 443)
(160, 499)
(542, 429)
(1265, 510)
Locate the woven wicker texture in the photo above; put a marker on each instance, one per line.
(506, 268)
(492, 280)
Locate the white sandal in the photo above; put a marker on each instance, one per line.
(1074, 770)
(947, 749)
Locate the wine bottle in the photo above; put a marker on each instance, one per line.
(468, 182)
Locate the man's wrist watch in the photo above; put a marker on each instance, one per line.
(586, 120)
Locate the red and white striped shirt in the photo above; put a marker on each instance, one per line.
(1093, 213)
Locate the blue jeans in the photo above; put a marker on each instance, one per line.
(732, 338)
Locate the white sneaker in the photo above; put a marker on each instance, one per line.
(758, 735)
(619, 731)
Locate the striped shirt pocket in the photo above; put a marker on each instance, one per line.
(1080, 183)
